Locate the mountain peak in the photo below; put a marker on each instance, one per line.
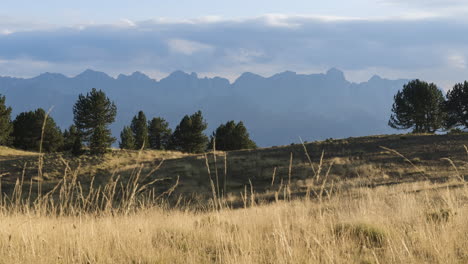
(50, 76)
(248, 75)
(334, 73)
(91, 74)
(284, 74)
(134, 76)
(139, 75)
(375, 78)
(177, 74)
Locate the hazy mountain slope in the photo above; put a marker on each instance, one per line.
(277, 110)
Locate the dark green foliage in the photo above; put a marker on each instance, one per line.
(6, 127)
(69, 137)
(27, 131)
(456, 106)
(93, 114)
(72, 141)
(188, 135)
(127, 140)
(232, 136)
(77, 148)
(419, 106)
(139, 127)
(159, 133)
(100, 141)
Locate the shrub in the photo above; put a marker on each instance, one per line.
(362, 233)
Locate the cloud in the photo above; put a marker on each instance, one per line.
(125, 22)
(457, 61)
(187, 47)
(264, 44)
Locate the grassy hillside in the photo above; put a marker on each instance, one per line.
(382, 199)
(369, 161)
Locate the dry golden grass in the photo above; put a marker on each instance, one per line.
(381, 225)
(9, 152)
(124, 220)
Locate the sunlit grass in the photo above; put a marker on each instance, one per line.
(382, 225)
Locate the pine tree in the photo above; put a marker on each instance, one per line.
(127, 140)
(72, 141)
(232, 136)
(77, 148)
(97, 145)
(93, 114)
(419, 106)
(27, 132)
(159, 133)
(456, 106)
(140, 130)
(6, 127)
(69, 137)
(188, 135)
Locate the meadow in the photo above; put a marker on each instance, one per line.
(323, 211)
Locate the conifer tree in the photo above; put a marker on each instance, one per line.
(69, 137)
(159, 133)
(97, 145)
(419, 106)
(232, 136)
(77, 148)
(456, 106)
(6, 127)
(72, 141)
(188, 135)
(93, 113)
(27, 132)
(139, 128)
(127, 140)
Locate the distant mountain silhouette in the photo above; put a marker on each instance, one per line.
(276, 110)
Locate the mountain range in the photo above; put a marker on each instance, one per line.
(277, 110)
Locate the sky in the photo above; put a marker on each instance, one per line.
(392, 38)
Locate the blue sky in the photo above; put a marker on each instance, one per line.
(392, 38)
(61, 12)
(66, 12)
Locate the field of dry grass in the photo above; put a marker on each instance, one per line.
(344, 208)
(413, 223)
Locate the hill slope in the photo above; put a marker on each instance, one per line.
(350, 161)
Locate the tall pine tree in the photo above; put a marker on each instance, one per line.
(188, 135)
(159, 133)
(6, 127)
(127, 140)
(93, 113)
(139, 127)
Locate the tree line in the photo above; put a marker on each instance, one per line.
(422, 108)
(94, 112)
